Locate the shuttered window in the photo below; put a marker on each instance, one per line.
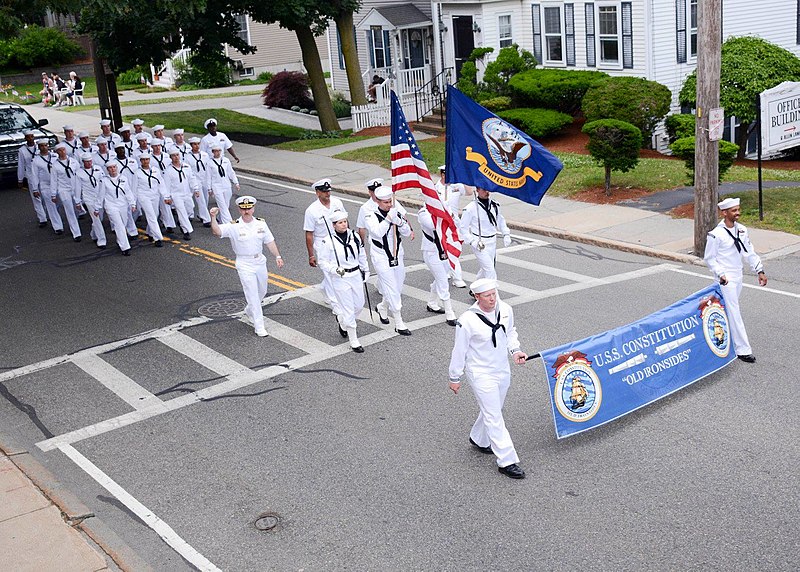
(553, 35)
(591, 60)
(569, 32)
(693, 28)
(627, 35)
(680, 30)
(537, 32)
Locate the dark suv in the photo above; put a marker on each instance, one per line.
(13, 121)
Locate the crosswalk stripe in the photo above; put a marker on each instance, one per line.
(295, 338)
(120, 384)
(202, 354)
(542, 269)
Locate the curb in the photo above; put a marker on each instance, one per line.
(75, 513)
(526, 227)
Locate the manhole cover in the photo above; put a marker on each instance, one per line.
(222, 308)
(267, 521)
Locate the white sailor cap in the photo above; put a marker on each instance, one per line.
(105, 122)
(156, 141)
(42, 142)
(86, 156)
(208, 121)
(178, 131)
(158, 127)
(194, 140)
(174, 150)
(322, 185)
(338, 215)
(442, 167)
(216, 146)
(68, 128)
(137, 121)
(29, 132)
(124, 128)
(101, 141)
(61, 145)
(119, 145)
(112, 163)
(144, 155)
(373, 184)
(728, 203)
(483, 285)
(382, 193)
(246, 202)
(141, 136)
(83, 134)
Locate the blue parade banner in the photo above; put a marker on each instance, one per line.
(601, 378)
(486, 151)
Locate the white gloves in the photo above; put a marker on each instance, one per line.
(506, 240)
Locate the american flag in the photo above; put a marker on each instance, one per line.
(410, 172)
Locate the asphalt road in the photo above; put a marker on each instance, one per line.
(197, 427)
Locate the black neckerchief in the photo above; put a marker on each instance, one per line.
(179, 171)
(183, 151)
(32, 151)
(344, 239)
(199, 161)
(71, 146)
(117, 186)
(125, 165)
(494, 327)
(159, 161)
(737, 242)
(384, 243)
(150, 177)
(220, 168)
(49, 161)
(105, 160)
(128, 148)
(67, 168)
(91, 177)
(486, 205)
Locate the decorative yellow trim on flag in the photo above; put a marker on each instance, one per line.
(500, 179)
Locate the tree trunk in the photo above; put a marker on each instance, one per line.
(319, 89)
(344, 25)
(741, 139)
(608, 181)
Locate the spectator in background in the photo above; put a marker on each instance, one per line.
(59, 89)
(373, 87)
(47, 89)
(73, 83)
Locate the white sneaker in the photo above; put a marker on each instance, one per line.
(261, 333)
(459, 283)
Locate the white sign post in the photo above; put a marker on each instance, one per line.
(716, 123)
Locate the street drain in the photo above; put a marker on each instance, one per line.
(267, 522)
(222, 308)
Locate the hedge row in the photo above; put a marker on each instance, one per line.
(537, 122)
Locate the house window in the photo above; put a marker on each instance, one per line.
(244, 30)
(608, 34)
(247, 72)
(554, 35)
(379, 58)
(692, 28)
(504, 30)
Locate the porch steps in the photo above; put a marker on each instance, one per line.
(433, 124)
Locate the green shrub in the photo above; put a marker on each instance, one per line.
(468, 77)
(134, 75)
(497, 104)
(36, 46)
(638, 101)
(684, 148)
(265, 76)
(510, 61)
(187, 87)
(679, 126)
(615, 145)
(537, 122)
(562, 90)
(209, 70)
(341, 107)
(313, 134)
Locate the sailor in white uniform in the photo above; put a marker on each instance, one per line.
(181, 187)
(142, 145)
(727, 244)
(118, 200)
(138, 128)
(248, 235)
(198, 162)
(39, 183)
(128, 143)
(85, 145)
(317, 226)
(102, 155)
(65, 189)
(216, 137)
(387, 227)
(343, 258)
(158, 133)
(480, 222)
(435, 257)
(485, 337)
(107, 134)
(220, 180)
(71, 141)
(450, 195)
(150, 192)
(25, 157)
(159, 161)
(90, 178)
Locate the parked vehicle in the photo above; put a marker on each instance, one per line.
(13, 121)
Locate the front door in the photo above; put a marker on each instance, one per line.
(463, 40)
(416, 49)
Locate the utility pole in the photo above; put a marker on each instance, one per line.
(706, 152)
(106, 90)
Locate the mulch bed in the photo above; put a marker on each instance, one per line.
(258, 138)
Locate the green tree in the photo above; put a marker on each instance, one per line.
(615, 145)
(342, 13)
(16, 14)
(749, 66)
(683, 147)
(468, 76)
(510, 61)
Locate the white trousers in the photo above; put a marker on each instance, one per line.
(485, 258)
(118, 217)
(201, 200)
(222, 196)
(253, 276)
(38, 206)
(52, 211)
(490, 428)
(456, 272)
(166, 214)
(731, 292)
(327, 283)
(98, 232)
(349, 293)
(66, 200)
(185, 208)
(440, 270)
(390, 278)
(150, 205)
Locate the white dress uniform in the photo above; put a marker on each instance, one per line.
(482, 351)
(480, 222)
(198, 162)
(435, 257)
(90, 181)
(725, 249)
(317, 220)
(135, 133)
(150, 192)
(91, 149)
(112, 138)
(248, 240)
(127, 170)
(130, 146)
(386, 230)
(102, 159)
(209, 140)
(25, 157)
(139, 150)
(73, 146)
(450, 196)
(64, 187)
(345, 254)
(160, 163)
(41, 166)
(220, 178)
(181, 186)
(118, 199)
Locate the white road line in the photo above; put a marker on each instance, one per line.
(165, 531)
(709, 277)
(294, 188)
(542, 269)
(295, 338)
(123, 386)
(502, 286)
(202, 354)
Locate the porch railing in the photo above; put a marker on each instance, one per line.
(432, 94)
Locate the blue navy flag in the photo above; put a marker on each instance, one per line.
(487, 152)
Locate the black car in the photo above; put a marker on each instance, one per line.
(13, 121)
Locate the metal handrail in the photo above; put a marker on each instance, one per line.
(434, 92)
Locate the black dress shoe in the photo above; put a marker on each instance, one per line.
(76, 238)
(403, 332)
(439, 311)
(512, 471)
(126, 252)
(342, 332)
(101, 246)
(452, 322)
(749, 358)
(381, 318)
(487, 450)
(42, 224)
(358, 350)
(207, 224)
(158, 244)
(133, 237)
(59, 232)
(149, 238)
(187, 236)
(170, 230)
